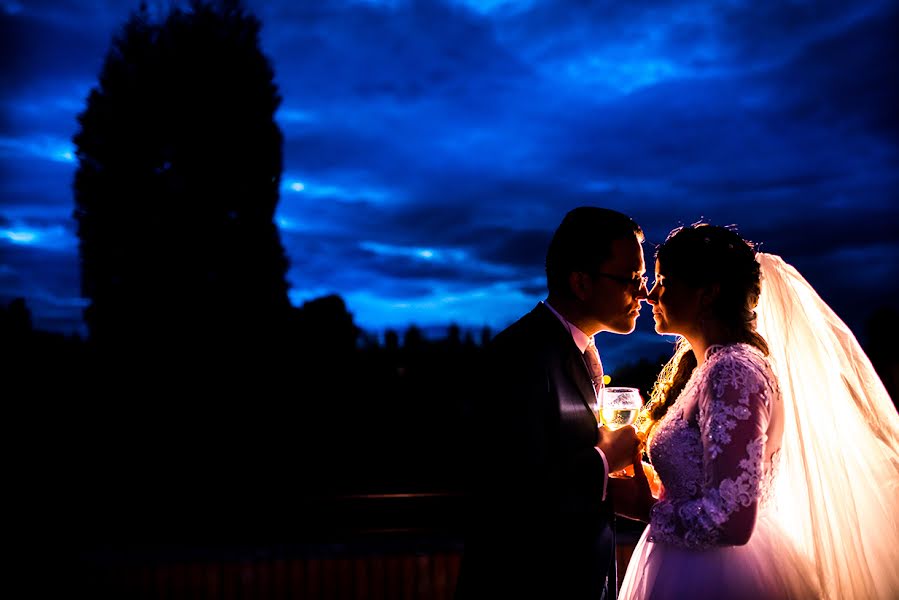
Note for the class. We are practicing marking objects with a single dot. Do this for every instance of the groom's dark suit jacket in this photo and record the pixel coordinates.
(537, 524)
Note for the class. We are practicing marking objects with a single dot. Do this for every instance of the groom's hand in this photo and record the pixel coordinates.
(621, 446)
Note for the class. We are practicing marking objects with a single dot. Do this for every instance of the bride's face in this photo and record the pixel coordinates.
(675, 305)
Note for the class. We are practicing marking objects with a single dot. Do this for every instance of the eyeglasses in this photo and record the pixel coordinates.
(636, 283)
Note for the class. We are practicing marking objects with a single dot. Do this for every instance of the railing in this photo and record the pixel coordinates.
(425, 569)
(372, 546)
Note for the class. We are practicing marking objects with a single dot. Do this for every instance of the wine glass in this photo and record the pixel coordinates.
(618, 406)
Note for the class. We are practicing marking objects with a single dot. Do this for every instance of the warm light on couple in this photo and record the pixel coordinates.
(775, 443)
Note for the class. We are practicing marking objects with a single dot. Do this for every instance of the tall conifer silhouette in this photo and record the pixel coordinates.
(180, 163)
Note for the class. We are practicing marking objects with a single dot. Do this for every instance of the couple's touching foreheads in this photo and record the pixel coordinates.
(775, 479)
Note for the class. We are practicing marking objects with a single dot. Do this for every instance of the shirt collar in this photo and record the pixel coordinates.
(580, 338)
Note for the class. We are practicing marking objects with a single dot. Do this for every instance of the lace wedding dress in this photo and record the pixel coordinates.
(716, 452)
(805, 442)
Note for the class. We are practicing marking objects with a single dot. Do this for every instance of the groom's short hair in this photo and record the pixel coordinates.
(583, 241)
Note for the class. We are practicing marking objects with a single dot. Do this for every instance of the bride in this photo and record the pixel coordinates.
(776, 443)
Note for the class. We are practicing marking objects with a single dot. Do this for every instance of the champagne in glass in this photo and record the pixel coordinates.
(618, 406)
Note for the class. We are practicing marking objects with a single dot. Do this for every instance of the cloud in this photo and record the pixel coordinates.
(56, 237)
(48, 148)
(55, 42)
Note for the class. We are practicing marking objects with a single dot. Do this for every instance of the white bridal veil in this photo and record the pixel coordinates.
(837, 492)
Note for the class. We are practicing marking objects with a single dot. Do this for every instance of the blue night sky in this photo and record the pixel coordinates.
(431, 147)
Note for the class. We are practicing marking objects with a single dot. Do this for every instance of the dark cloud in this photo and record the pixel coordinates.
(48, 45)
(848, 80)
(397, 55)
(525, 249)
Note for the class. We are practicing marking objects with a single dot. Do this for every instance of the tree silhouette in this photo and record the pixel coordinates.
(180, 162)
(327, 333)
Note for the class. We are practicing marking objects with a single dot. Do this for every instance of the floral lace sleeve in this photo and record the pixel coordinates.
(734, 408)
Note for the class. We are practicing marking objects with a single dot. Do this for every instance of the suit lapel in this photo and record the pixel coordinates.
(572, 361)
(577, 370)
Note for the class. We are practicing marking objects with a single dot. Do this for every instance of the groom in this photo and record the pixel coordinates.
(539, 523)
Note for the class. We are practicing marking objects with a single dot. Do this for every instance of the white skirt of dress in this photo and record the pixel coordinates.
(766, 568)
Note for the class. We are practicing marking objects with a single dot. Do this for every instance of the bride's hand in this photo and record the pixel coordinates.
(632, 497)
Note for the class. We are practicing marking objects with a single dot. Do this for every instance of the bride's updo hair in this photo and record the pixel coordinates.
(701, 255)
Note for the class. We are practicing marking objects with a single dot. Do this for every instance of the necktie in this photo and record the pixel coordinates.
(594, 366)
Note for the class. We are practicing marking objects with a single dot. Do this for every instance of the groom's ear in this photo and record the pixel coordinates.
(579, 283)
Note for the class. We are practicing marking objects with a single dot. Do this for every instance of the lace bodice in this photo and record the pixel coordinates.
(716, 449)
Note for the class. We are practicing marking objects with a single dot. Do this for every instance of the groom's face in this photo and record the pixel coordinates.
(616, 290)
